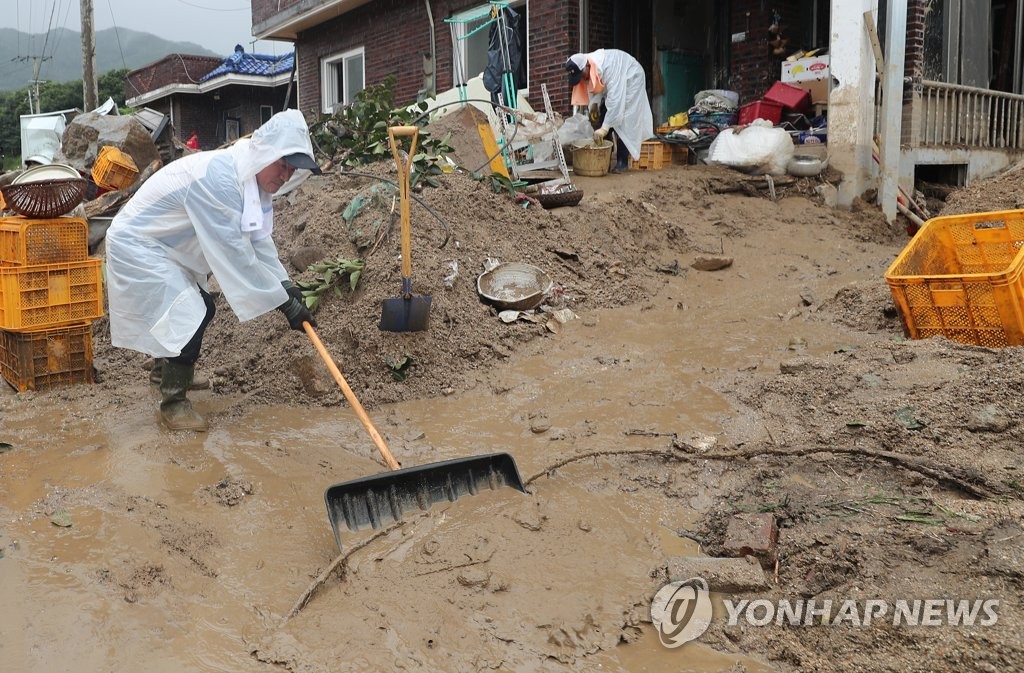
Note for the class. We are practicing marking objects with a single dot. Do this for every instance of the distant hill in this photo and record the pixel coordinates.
(122, 48)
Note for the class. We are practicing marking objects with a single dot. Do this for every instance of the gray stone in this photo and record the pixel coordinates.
(89, 132)
(711, 263)
(302, 258)
(724, 575)
(990, 418)
(798, 365)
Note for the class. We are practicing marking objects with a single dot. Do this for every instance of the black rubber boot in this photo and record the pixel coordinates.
(175, 410)
(199, 382)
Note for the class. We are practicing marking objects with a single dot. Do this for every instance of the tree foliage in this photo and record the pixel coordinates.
(52, 96)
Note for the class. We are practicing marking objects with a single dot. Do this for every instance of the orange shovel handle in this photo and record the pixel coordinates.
(353, 401)
(404, 171)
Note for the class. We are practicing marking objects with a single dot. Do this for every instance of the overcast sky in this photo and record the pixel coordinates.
(217, 25)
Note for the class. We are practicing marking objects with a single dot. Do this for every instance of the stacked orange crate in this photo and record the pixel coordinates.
(50, 292)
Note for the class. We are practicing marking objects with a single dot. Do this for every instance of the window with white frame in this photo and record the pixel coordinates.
(472, 29)
(342, 76)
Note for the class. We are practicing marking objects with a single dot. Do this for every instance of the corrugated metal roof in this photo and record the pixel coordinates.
(260, 65)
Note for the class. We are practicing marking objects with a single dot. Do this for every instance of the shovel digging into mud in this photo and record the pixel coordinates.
(376, 501)
(406, 313)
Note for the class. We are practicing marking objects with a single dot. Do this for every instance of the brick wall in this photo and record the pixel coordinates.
(173, 69)
(913, 66)
(395, 37)
(753, 66)
(264, 9)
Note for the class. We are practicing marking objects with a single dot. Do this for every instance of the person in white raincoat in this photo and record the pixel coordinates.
(621, 79)
(208, 212)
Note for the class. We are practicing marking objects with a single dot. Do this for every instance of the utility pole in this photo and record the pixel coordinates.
(36, 82)
(90, 93)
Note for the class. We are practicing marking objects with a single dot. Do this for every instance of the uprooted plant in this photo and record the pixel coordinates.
(357, 134)
(329, 275)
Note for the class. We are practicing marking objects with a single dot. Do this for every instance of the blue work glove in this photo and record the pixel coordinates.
(296, 313)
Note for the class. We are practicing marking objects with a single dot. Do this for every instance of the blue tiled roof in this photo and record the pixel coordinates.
(261, 65)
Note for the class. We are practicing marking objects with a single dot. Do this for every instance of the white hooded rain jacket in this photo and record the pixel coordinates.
(198, 215)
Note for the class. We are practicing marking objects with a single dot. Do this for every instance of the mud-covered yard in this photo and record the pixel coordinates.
(780, 384)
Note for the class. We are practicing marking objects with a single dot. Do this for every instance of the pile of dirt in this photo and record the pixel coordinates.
(1005, 191)
(614, 249)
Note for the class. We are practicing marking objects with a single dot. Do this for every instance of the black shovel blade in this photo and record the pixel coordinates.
(402, 314)
(374, 502)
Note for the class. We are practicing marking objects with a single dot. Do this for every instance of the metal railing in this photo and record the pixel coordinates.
(965, 116)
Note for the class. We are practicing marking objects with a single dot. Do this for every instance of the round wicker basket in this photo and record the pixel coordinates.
(44, 198)
(591, 160)
(571, 197)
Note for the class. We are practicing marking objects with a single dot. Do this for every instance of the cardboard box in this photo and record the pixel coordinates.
(804, 69)
(818, 89)
(810, 74)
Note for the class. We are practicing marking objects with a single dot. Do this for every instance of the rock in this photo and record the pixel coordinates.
(711, 263)
(799, 365)
(528, 517)
(89, 132)
(828, 194)
(302, 258)
(306, 369)
(990, 418)
(724, 575)
(473, 577)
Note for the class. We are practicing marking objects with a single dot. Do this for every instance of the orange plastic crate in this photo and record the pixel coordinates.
(962, 277)
(654, 155)
(40, 359)
(26, 241)
(50, 295)
(114, 169)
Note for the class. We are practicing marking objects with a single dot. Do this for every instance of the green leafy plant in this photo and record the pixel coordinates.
(500, 183)
(357, 134)
(329, 274)
(400, 367)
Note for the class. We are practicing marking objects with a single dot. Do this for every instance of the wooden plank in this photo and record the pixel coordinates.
(876, 44)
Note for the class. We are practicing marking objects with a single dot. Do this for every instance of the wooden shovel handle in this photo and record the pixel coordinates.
(404, 170)
(353, 401)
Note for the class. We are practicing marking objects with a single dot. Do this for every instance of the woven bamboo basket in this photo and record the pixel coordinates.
(570, 197)
(44, 198)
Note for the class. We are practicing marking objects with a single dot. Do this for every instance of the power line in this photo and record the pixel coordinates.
(117, 34)
(217, 9)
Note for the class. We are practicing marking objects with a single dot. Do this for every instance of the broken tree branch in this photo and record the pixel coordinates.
(340, 560)
(971, 483)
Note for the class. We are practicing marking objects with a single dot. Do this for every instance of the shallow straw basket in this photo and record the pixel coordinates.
(569, 197)
(514, 286)
(591, 160)
(44, 198)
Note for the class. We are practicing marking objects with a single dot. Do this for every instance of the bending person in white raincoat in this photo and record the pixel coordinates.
(621, 79)
(209, 212)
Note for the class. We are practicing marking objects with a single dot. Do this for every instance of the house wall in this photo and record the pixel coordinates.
(396, 45)
(264, 9)
(753, 66)
(173, 69)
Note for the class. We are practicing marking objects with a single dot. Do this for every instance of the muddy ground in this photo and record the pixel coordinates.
(781, 383)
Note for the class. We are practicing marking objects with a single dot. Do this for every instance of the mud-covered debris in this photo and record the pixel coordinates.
(711, 263)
